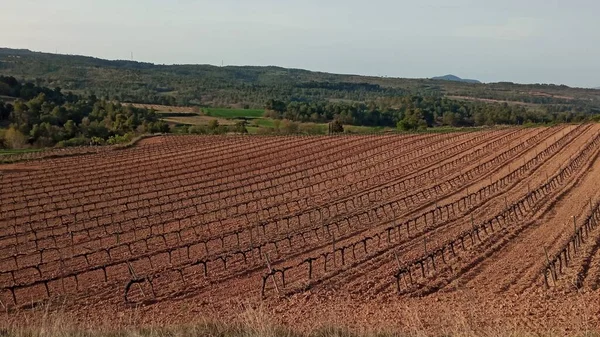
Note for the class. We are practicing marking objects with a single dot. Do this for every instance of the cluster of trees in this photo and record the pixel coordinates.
(42, 117)
(411, 112)
(9, 86)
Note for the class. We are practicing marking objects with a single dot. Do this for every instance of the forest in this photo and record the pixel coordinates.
(40, 117)
(412, 112)
(251, 86)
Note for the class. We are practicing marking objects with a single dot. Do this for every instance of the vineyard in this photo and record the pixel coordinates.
(508, 214)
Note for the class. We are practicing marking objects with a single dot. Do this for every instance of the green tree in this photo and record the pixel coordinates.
(336, 126)
(14, 139)
(213, 124)
(449, 118)
(288, 127)
(70, 129)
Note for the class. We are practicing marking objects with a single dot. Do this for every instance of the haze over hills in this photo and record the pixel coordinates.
(455, 78)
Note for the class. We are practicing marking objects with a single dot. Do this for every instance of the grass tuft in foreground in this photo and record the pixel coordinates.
(42, 322)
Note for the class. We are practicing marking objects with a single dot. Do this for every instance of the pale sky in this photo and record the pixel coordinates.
(525, 41)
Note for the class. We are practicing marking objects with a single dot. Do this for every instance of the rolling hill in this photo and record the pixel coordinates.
(252, 86)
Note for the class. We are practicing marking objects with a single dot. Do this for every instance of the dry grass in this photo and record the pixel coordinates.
(251, 323)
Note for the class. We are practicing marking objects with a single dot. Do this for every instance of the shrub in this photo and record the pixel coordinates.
(14, 139)
(337, 126)
(80, 141)
(310, 129)
(97, 141)
(198, 130)
(117, 139)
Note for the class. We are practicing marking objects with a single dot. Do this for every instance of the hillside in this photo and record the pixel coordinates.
(207, 85)
(455, 79)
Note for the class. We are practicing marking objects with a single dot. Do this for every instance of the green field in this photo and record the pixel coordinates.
(17, 151)
(263, 122)
(234, 113)
(256, 123)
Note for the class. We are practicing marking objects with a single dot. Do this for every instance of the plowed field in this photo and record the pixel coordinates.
(366, 231)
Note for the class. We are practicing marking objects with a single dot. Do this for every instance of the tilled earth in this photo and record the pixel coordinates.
(485, 229)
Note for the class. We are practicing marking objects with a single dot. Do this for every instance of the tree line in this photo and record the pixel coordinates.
(412, 112)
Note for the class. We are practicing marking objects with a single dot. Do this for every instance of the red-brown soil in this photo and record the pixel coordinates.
(379, 231)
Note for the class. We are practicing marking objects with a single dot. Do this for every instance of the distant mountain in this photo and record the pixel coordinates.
(455, 79)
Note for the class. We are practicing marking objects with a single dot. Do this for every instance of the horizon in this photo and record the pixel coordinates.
(535, 42)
